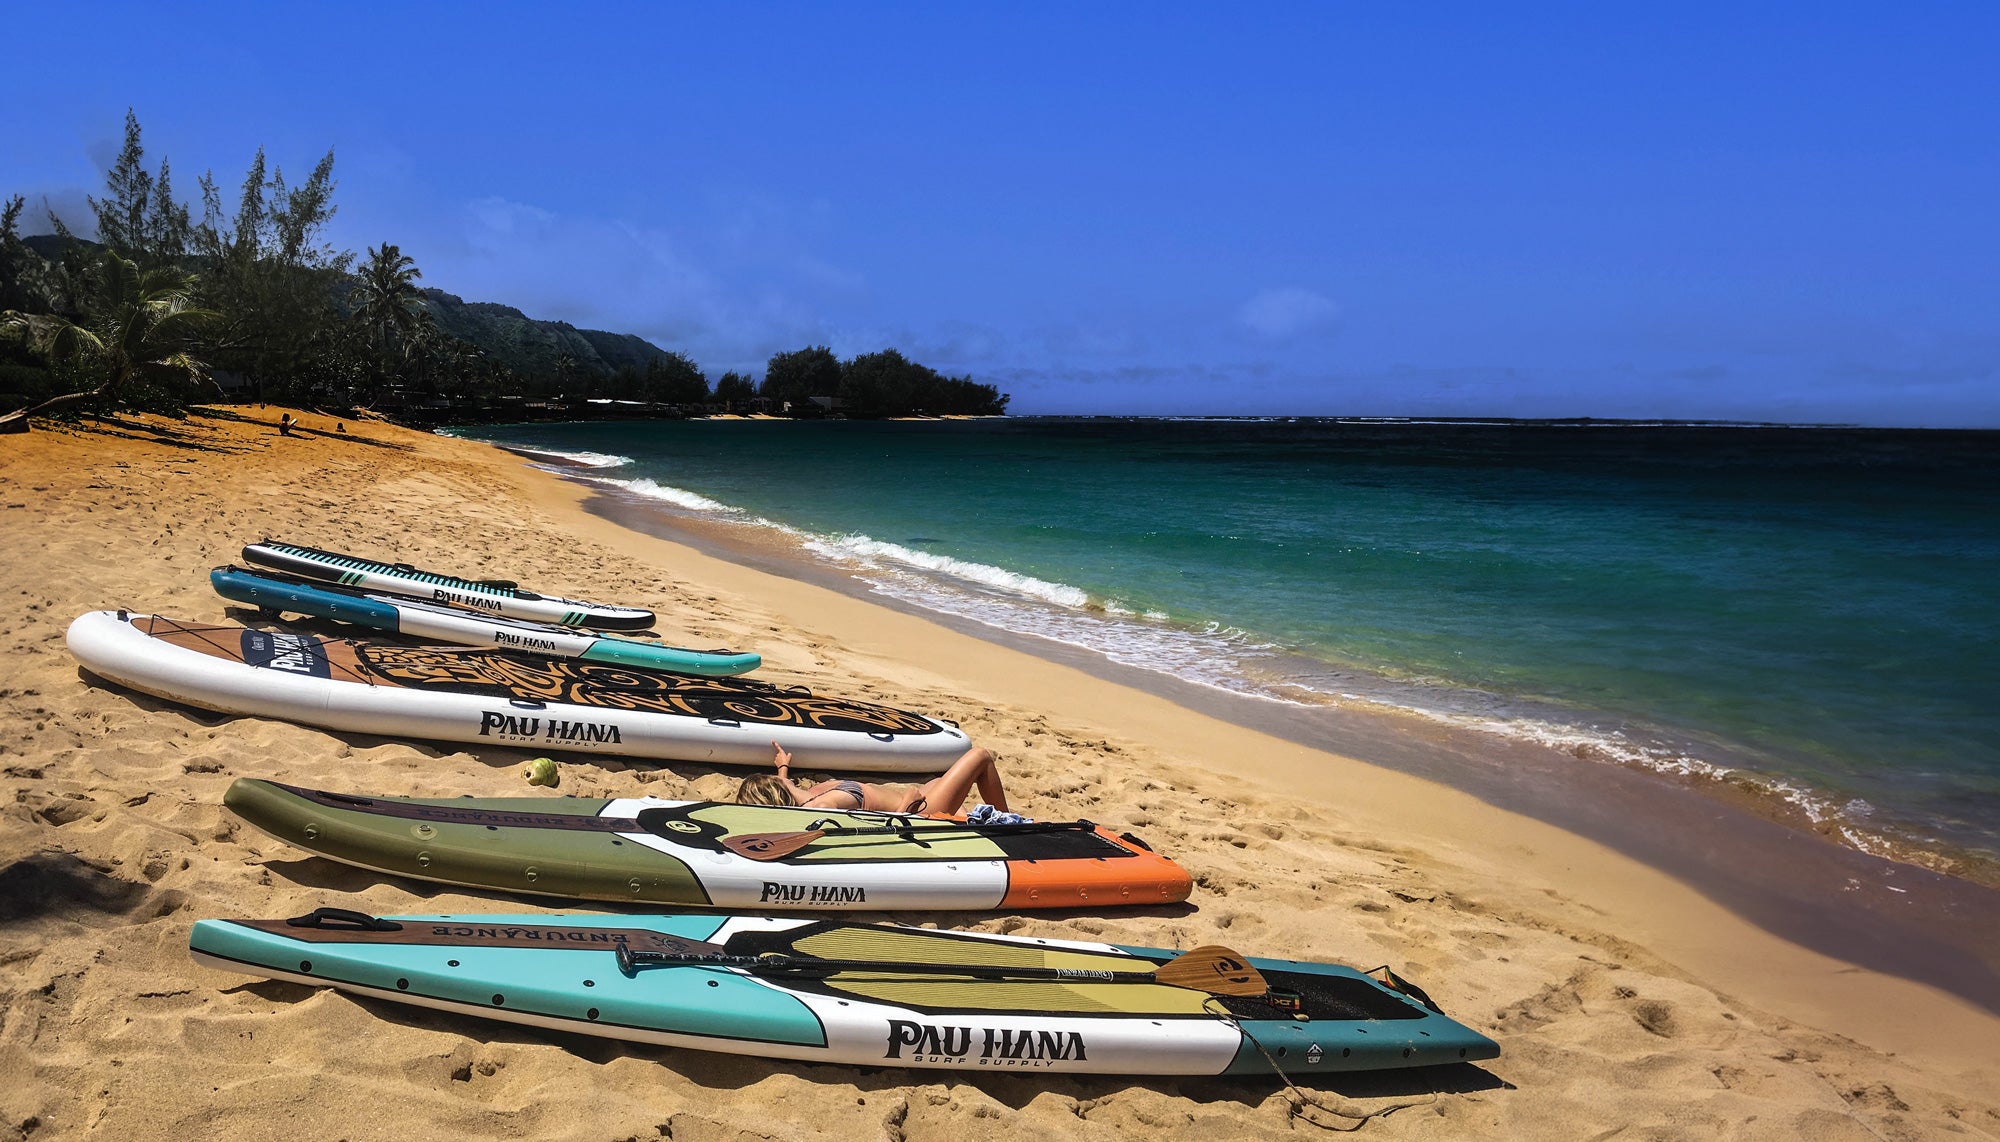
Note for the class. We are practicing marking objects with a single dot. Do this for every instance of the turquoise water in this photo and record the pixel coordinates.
(1815, 607)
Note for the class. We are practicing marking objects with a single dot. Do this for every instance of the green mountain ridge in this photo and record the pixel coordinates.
(532, 346)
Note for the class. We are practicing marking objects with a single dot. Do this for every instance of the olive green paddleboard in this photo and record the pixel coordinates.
(717, 854)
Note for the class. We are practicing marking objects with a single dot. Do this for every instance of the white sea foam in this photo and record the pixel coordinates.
(1213, 656)
(652, 489)
(866, 551)
(1615, 747)
(585, 459)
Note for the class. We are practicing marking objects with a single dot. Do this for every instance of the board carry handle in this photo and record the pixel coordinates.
(1398, 983)
(1210, 968)
(775, 846)
(338, 918)
(502, 584)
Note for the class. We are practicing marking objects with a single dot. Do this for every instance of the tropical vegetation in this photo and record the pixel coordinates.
(131, 347)
(164, 308)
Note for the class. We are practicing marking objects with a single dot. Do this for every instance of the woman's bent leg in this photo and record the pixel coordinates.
(976, 767)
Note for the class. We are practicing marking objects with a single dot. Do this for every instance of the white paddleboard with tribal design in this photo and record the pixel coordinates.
(503, 698)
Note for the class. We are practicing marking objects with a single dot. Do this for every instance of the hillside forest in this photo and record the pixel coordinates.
(175, 301)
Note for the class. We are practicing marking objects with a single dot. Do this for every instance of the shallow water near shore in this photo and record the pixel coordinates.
(1801, 617)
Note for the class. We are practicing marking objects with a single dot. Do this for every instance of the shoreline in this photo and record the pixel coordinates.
(1705, 762)
(1558, 854)
(1622, 998)
(1938, 925)
(1888, 915)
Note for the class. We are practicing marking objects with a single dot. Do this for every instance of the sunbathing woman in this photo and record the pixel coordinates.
(942, 794)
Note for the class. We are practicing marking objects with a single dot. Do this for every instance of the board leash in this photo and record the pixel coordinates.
(1301, 1099)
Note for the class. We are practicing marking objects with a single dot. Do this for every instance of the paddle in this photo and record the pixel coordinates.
(774, 846)
(1210, 968)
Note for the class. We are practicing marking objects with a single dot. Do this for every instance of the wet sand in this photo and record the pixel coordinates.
(1629, 995)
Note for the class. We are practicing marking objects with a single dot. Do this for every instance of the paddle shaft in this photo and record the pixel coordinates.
(1231, 975)
(771, 846)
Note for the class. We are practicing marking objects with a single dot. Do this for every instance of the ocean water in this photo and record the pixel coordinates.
(1809, 611)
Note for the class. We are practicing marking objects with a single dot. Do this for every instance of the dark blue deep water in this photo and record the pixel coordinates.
(1813, 609)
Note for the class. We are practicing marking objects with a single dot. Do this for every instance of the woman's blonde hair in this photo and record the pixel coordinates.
(766, 789)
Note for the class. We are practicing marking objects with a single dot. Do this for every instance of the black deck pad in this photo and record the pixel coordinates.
(1322, 997)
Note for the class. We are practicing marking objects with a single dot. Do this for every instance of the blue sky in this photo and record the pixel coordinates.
(1779, 212)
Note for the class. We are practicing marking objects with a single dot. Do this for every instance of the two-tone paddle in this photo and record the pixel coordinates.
(776, 846)
(1210, 968)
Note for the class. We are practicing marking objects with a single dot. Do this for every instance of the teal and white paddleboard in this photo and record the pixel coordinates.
(487, 596)
(862, 994)
(280, 593)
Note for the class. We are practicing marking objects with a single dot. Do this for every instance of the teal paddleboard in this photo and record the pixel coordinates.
(863, 994)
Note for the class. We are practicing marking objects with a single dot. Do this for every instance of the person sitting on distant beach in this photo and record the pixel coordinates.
(285, 423)
(942, 794)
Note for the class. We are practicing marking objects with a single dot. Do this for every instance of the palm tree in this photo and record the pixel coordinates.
(139, 325)
(389, 305)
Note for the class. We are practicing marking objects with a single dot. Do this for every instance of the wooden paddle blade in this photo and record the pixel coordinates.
(771, 846)
(1214, 969)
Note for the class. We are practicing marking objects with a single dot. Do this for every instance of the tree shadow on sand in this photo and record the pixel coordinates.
(211, 412)
(174, 434)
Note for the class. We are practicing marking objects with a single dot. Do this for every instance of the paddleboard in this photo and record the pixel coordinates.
(279, 594)
(861, 994)
(713, 854)
(487, 596)
(491, 697)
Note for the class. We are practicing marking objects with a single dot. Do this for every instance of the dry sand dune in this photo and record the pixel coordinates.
(113, 842)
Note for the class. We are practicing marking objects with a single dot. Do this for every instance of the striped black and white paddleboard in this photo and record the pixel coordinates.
(275, 593)
(487, 596)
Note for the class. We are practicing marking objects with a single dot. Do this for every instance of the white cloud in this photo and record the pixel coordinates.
(721, 301)
(496, 216)
(1279, 314)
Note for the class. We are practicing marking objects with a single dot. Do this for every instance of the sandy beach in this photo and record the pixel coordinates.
(1631, 997)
